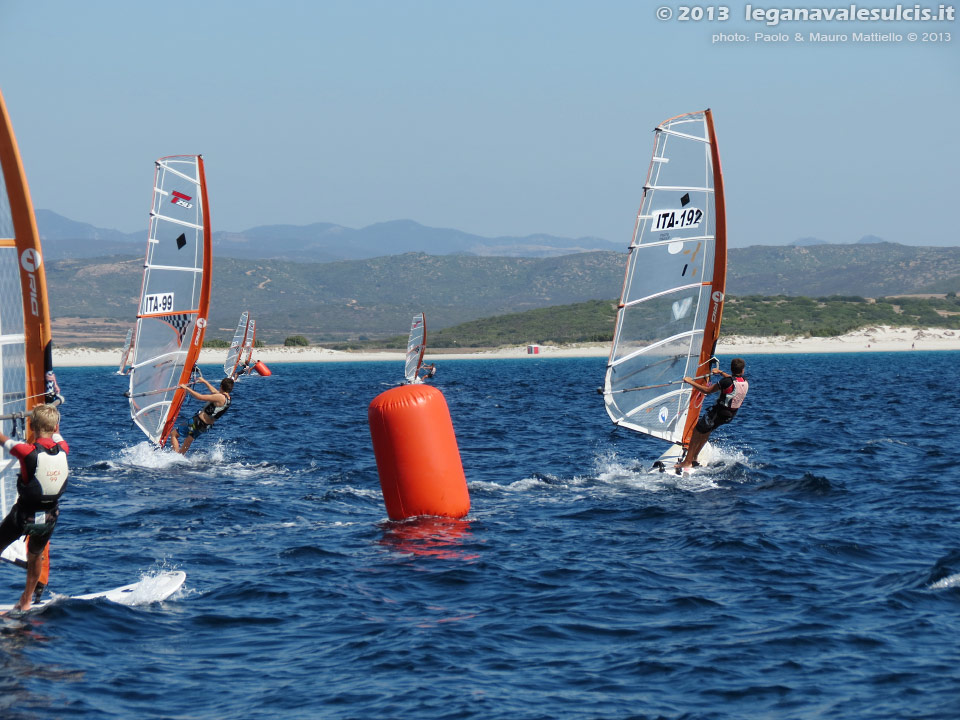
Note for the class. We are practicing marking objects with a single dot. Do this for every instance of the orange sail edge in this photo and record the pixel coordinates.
(711, 331)
(33, 279)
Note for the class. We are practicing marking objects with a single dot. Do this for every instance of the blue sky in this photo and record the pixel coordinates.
(498, 117)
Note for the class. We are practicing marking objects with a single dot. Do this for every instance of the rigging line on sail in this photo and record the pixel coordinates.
(674, 133)
(173, 267)
(678, 188)
(128, 394)
(669, 291)
(175, 221)
(170, 169)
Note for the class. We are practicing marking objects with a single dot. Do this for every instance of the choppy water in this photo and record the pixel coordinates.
(816, 574)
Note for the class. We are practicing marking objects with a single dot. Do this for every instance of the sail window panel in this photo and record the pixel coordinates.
(657, 270)
(175, 246)
(6, 215)
(657, 374)
(170, 291)
(160, 340)
(11, 303)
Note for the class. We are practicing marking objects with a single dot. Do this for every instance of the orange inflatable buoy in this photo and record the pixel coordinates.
(262, 369)
(417, 456)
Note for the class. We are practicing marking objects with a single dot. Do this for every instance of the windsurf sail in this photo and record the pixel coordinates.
(668, 318)
(125, 352)
(25, 339)
(174, 297)
(416, 345)
(237, 345)
(249, 342)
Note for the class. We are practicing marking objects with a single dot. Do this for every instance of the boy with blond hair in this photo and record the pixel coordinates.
(42, 480)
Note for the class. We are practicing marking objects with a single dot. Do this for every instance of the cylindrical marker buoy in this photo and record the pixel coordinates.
(262, 369)
(417, 456)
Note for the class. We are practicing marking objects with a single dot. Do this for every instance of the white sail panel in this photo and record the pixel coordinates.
(174, 297)
(13, 395)
(125, 352)
(416, 344)
(236, 345)
(670, 293)
(249, 341)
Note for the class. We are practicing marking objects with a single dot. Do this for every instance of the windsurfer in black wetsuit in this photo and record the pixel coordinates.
(733, 389)
(217, 402)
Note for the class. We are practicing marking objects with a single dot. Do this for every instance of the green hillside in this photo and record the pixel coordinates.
(753, 315)
(374, 299)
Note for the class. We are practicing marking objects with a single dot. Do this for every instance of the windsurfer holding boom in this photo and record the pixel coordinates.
(218, 401)
(733, 389)
(42, 480)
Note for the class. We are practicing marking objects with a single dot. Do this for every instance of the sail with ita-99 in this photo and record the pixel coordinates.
(174, 297)
(25, 341)
(668, 318)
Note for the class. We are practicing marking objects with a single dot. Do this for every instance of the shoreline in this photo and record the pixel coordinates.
(875, 339)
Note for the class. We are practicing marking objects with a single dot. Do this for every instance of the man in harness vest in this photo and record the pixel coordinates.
(42, 480)
(733, 389)
(217, 403)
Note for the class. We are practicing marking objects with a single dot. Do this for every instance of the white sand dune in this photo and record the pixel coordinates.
(876, 339)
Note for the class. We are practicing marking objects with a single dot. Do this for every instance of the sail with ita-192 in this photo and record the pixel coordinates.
(668, 317)
(174, 297)
(25, 337)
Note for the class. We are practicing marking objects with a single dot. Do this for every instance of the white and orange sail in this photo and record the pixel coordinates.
(668, 318)
(237, 345)
(416, 346)
(125, 353)
(25, 336)
(174, 297)
(249, 342)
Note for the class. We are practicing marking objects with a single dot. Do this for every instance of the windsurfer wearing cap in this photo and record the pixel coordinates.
(733, 389)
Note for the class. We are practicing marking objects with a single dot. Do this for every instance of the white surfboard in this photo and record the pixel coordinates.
(155, 588)
(667, 461)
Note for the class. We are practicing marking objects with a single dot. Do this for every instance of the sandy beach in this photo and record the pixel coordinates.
(877, 339)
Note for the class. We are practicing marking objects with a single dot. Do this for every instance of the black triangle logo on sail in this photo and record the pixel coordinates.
(181, 241)
(179, 322)
(684, 201)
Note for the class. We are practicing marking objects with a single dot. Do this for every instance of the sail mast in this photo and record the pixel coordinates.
(711, 330)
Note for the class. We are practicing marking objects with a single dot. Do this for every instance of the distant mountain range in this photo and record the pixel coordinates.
(327, 242)
(319, 242)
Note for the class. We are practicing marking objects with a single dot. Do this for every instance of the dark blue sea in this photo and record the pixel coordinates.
(814, 573)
